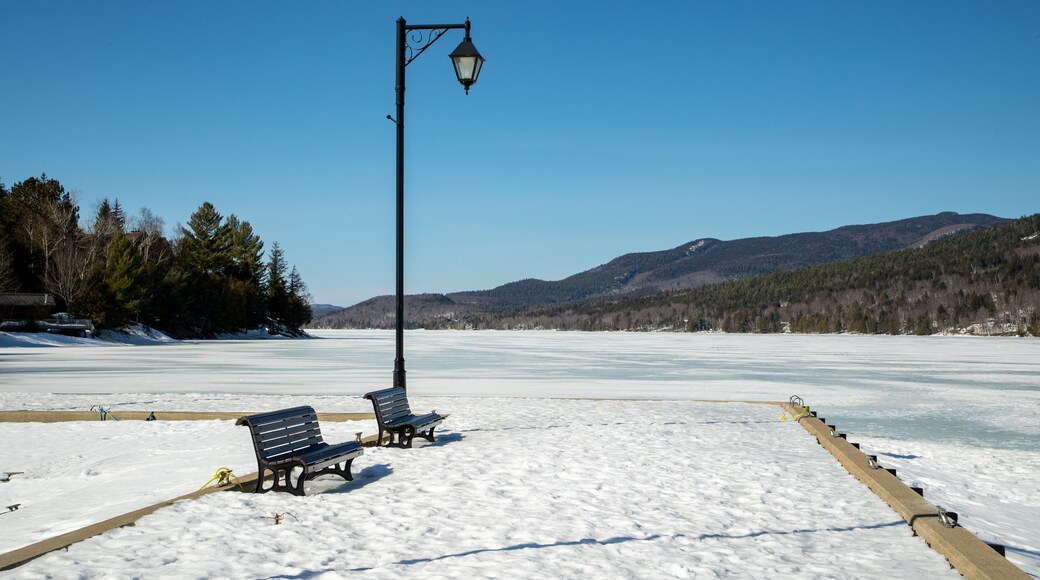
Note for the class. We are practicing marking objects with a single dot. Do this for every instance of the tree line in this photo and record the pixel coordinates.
(210, 277)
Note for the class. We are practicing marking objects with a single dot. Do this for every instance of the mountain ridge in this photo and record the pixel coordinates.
(696, 263)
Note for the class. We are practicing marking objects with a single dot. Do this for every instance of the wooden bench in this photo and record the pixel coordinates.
(288, 443)
(395, 418)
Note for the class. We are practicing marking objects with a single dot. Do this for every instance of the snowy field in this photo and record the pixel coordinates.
(522, 484)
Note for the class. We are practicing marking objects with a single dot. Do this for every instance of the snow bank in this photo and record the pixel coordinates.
(132, 334)
(42, 339)
(135, 334)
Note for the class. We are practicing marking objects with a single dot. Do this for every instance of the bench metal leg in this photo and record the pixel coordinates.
(282, 478)
(260, 480)
(428, 434)
(401, 438)
(340, 469)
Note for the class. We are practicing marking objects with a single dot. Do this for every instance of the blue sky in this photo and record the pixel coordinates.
(595, 129)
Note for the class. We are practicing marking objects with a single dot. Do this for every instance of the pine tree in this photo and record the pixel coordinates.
(245, 271)
(299, 302)
(203, 254)
(205, 244)
(245, 251)
(125, 279)
(277, 285)
(7, 277)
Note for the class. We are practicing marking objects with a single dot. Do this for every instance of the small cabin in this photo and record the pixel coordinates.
(24, 308)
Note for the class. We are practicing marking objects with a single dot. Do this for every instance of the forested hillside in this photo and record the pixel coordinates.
(982, 282)
(210, 278)
(708, 261)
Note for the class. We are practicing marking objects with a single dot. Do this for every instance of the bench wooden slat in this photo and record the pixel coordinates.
(302, 441)
(273, 416)
(394, 416)
(290, 448)
(393, 406)
(264, 431)
(300, 430)
(390, 404)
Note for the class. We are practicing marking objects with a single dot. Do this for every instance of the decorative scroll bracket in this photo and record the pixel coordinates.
(419, 39)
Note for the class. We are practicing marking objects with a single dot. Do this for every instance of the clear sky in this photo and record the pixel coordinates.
(595, 129)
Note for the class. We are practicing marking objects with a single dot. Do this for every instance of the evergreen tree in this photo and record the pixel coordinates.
(277, 285)
(245, 251)
(203, 254)
(204, 246)
(245, 270)
(119, 216)
(299, 302)
(108, 219)
(126, 281)
(7, 277)
(216, 281)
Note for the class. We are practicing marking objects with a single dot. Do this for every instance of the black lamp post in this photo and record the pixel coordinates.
(467, 63)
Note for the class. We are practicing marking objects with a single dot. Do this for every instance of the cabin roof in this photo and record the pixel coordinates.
(23, 299)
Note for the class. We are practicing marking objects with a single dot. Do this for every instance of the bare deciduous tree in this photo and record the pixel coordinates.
(68, 275)
(51, 229)
(151, 243)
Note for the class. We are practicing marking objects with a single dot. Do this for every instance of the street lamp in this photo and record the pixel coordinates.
(467, 62)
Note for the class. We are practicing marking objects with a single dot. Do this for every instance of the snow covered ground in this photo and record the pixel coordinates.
(522, 484)
(523, 488)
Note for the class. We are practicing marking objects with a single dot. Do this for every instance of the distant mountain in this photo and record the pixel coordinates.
(378, 312)
(319, 310)
(986, 282)
(708, 260)
(691, 265)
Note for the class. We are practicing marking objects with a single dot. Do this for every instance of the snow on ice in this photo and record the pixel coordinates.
(521, 484)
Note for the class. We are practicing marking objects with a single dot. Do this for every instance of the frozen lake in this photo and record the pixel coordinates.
(976, 391)
(958, 415)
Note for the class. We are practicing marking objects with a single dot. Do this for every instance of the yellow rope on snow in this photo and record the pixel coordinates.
(223, 476)
(805, 412)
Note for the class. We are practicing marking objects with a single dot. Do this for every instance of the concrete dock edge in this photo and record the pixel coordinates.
(25, 554)
(16, 558)
(59, 416)
(969, 555)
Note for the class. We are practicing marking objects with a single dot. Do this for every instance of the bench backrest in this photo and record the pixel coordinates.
(390, 404)
(282, 433)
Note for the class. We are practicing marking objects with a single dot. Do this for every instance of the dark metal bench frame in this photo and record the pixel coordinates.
(290, 439)
(395, 418)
